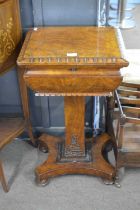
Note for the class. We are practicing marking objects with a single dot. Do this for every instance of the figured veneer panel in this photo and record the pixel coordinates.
(92, 45)
(72, 82)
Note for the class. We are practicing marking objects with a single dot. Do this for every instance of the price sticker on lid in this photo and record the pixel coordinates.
(72, 54)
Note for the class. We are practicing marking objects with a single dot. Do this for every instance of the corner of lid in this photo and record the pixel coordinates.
(125, 62)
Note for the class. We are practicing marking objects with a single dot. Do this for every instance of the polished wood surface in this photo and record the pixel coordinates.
(55, 166)
(10, 33)
(95, 63)
(71, 62)
(74, 115)
(92, 45)
(83, 82)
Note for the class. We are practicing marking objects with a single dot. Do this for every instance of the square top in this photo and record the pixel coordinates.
(72, 46)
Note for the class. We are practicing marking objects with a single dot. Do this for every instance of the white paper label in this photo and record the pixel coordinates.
(72, 54)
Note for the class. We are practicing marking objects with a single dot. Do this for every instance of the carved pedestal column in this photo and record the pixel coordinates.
(74, 121)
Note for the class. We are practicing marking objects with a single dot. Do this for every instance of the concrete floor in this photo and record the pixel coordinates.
(68, 192)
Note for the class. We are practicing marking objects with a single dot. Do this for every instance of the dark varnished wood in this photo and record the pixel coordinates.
(10, 33)
(73, 62)
(2, 178)
(25, 104)
(10, 39)
(128, 129)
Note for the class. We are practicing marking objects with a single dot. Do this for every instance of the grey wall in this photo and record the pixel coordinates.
(64, 12)
(46, 111)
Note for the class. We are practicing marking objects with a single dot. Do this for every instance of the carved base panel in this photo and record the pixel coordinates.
(92, 164)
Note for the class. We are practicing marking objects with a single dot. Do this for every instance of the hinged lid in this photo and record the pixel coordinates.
(72, 46)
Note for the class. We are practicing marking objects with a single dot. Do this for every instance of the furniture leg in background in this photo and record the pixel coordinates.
(128, 126)
(2, 178)
(10, 128)
(25, 104)
(10, 41)
(129, 6)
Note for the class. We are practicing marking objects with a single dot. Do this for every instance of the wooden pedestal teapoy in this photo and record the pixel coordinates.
(73, 62)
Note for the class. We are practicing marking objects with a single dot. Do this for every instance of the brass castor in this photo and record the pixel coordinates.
(43, 182)
(42, 147)
(117, 181)
(117, 184)
(118, 177)
(108, 182)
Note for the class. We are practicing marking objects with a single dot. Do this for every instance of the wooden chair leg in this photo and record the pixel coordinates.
(2, 179)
